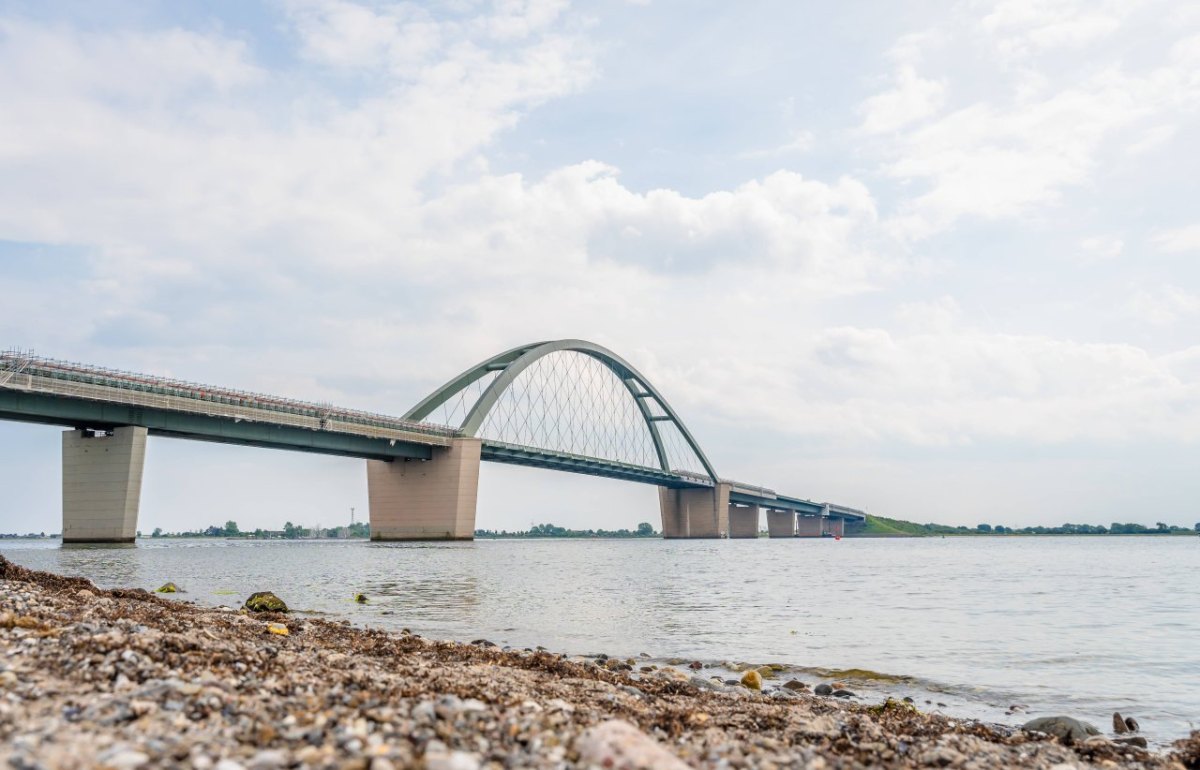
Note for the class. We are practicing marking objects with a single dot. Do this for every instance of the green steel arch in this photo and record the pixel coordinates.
(511, 363)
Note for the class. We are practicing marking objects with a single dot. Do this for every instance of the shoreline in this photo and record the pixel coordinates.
(128, 679)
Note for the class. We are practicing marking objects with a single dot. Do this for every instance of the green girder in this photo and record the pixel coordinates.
(511, 363)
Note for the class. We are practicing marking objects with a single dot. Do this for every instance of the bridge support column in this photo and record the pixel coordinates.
(426, 499)
(781, 523)
(835, 526)
(743, 520)
(102, 485)
(810, 526)
(695, 513)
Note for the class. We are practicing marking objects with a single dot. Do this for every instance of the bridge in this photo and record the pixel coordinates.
(565, 405)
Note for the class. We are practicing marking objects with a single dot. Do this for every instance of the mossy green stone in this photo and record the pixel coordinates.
(167, 588)
(265, 601)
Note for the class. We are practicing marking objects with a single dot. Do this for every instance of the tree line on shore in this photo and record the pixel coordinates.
(290, 531)
(644, 529)
(1116, 528)
(879, 525)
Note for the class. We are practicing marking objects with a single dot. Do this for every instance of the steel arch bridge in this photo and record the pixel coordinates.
(570, 405)
(567, 405)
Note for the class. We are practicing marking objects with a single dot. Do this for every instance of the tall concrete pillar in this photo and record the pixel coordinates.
(810, 526)
(743, 520)
(781, 523)
(695, 513)
(102, 485)
(674, 521)
(836, 526)
(426, 499)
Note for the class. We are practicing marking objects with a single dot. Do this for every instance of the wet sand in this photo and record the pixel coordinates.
(125, 679)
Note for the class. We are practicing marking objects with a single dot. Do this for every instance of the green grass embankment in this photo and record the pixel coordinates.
(879, 526)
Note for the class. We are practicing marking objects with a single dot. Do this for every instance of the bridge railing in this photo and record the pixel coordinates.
(25, 372)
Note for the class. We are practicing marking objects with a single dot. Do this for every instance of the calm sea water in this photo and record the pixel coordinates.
(1082, 626)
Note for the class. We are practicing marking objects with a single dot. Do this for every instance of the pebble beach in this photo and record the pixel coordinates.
(125, 679)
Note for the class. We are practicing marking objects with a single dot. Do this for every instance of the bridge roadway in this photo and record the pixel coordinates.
(100, 403)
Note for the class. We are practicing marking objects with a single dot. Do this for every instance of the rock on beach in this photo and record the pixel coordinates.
(265, 601)
(1067, 729)
(618, 745)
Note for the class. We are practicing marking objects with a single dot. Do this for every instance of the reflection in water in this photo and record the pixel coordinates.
(976, 623)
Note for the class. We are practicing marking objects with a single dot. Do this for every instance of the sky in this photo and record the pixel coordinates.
(935, 260)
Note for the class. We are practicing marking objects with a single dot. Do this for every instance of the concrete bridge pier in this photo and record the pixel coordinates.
(743, 520)
(695, 513)
(781, 523)
(102, 484)
(426, 499)
(810, 526)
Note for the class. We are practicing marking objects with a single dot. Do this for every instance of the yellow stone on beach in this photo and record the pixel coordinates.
(167, 588)
(752, 679)
(277, 628)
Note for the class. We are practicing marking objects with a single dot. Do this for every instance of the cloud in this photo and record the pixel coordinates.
(1016, 147)
(800, 142)
(317, 217)
(955, 385)
(1022, 27)
(1162, 306)
(911, 99)
(1101, 247)
(1179, 240)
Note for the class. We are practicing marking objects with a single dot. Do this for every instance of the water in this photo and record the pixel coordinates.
(1082, 626)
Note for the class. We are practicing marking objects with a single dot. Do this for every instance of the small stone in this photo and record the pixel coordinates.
(440, 759)
(360, 598)
(843, 694)
(1119, 723)
(823, 689)
(695, 665)
(823, 726)
(943, 756)
(700, 683)
(1133, 740)
(125, 760)
(167, 588)
(795, 685)
(83, 593)
(265, 601)
(1067, 729)
(269, 760)
(309, 755)
(1132, 724)
(278, 629)
(618, 744)
(752, 679)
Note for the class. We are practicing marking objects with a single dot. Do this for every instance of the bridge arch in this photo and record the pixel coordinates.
(508, 366)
